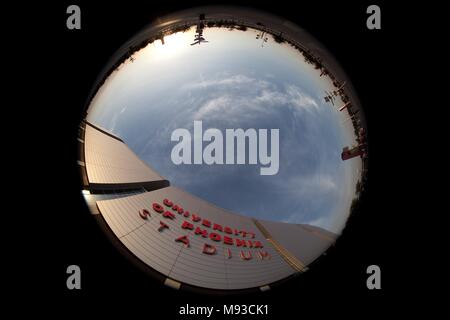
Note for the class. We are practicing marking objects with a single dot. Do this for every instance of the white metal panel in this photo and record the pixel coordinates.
(109, 160)
(190, 265)
(305, 242)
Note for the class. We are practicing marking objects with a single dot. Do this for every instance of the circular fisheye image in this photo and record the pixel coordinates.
(223, 149)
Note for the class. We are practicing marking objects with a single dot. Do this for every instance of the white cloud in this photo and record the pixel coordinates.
(258, 96)
(215, 105)
(114, 122)
(123, 109)
(316, 185)
(299, 99)
(229, 81)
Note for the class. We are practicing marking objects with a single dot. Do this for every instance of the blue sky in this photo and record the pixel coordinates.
(232, 82)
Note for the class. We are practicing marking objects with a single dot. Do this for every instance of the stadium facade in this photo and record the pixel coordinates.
(183, 240)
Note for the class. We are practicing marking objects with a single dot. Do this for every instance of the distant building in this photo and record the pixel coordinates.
(348, 153)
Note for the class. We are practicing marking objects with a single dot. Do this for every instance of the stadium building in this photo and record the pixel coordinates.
(181, 239)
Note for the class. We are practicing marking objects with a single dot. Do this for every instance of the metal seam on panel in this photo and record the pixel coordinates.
(178, 255)
(132, 231)
(293, 261)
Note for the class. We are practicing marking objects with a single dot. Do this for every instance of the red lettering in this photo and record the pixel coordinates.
(157, 207)
(144, 213)
(215, 236)
(258, 244)
(162, 226)
(178, 209)
(245, 256)
(167, 202)
(204, 233)
(240, 243)
(263, 255)
(187, 225)
(227, 240)
(209, 249)
(228, 230)
(206, 223)
(168, 215)
(183, 239)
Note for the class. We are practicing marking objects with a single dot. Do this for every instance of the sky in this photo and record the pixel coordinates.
(234, 82)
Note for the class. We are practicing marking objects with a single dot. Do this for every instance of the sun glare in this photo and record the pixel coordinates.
(173, 45)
